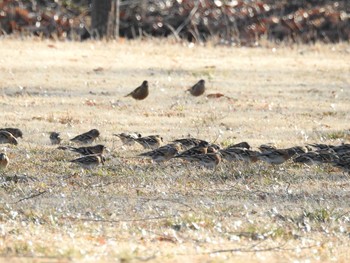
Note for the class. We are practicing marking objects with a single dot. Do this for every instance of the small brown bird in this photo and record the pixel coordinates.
(320, 146)
(4, 161)
(17, 133)
(188, 154)
(150, 142)
(55, 138)
(164, 153)
(128, 139)
(277, 156)
(244, 145)
(344, 156)
(342, 164)
(267, 148)
(90, 161)
(88, 150)
(6, 137)
(197, 89)
(317, 158)
(87, 137)
(341, 149)
(188, 143)
(239, 154)
(232, 154)
(209, 160)
(140, 92)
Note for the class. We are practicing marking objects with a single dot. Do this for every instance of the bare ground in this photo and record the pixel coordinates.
(131, 210)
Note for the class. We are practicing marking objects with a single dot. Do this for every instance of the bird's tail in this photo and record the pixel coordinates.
(65, 148)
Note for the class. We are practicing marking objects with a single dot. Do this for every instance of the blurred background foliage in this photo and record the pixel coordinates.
(230, 22)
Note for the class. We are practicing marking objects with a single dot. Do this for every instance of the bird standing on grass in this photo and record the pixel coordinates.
(4, 161)
(128, 139)
(195, 150)
(319, 157)
(17, 133)
(150, 142)
(164, 153)
(239, 154)
(279, 156)
(88, 150)
(198, 89)
(140, 92)
(209, 160)
(6, 137)
(87, 137)
(188, 143)
(343, 164)
(243, 145)
(90, 161)
(55, 138)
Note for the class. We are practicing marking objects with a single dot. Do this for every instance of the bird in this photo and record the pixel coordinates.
(90, 161)
(317, 158)
(296, 150)
(88, 150)
(343, 164)
(17, 133)
(87, 137)
(150, 142)
(6, 137)
(272, 155)
(163, 153)
(55, 138)
(239, 154)
(140, 92)
(277, 156)
(266, 148)
(188, 143)
(340, 149)
(232, 154)
(197, 89)
(244, 145)
(128, 139)
(209, 160)
(249, 156)
(319, 146)
(4, 161)
(344, 155)
(195, 150)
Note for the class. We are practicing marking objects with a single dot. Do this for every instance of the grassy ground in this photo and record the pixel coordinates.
(131, 210)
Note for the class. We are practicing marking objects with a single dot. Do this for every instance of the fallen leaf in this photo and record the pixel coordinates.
(215, 95)
(167, 239)
(99, 69)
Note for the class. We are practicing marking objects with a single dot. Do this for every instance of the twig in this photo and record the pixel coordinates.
(249, 250)
(341, 215)
(172, 29)
(189, 18)
(116, 221)
(30, 197)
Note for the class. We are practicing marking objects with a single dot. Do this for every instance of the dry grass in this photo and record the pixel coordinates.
(131, 210)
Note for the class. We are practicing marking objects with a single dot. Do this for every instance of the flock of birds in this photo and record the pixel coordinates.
(92, 154)
(191, 150)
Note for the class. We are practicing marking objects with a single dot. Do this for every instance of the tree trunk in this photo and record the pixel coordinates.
(100, 11)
